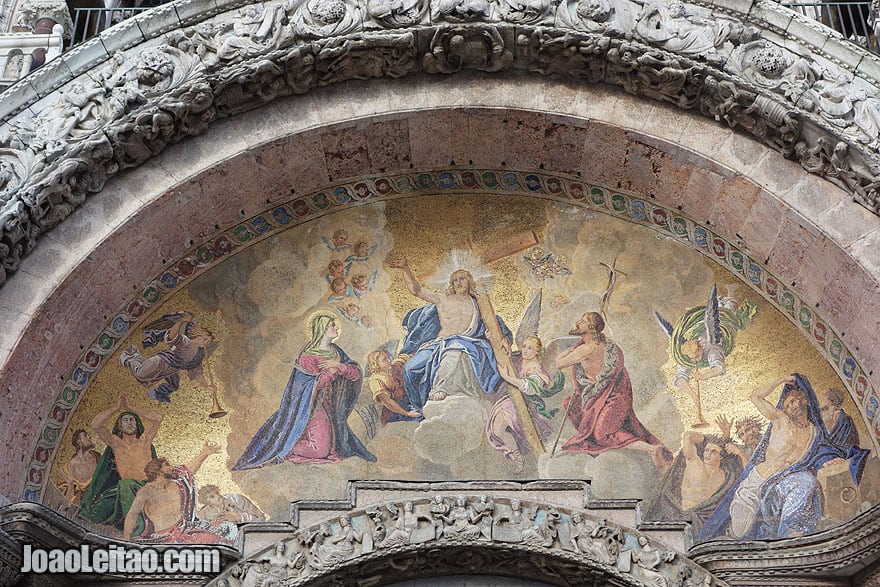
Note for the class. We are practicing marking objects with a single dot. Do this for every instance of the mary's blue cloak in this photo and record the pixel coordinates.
(275, 439)
(422, 327)
(774, 520)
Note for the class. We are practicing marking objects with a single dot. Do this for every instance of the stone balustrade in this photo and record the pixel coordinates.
(32, 47)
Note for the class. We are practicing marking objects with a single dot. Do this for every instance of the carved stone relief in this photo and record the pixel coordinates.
(441, 523)
(140, 101)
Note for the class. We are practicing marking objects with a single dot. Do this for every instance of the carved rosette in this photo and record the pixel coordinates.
(319, 19)
(443, 535)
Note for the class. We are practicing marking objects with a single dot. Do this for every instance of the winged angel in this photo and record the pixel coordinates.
(702, 338)
(188, 344)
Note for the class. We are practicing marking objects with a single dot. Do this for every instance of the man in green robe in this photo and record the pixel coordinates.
(120, 471)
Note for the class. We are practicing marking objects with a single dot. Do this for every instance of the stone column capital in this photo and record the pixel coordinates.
(33, 11)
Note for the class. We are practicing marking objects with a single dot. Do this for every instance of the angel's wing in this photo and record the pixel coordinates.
(712, 319)
(368, 414)
(154, 332)
(664, 323)
(528, 326)
(165, 322)
(554, 348)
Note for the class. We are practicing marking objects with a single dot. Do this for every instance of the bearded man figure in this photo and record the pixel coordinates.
(601, 408)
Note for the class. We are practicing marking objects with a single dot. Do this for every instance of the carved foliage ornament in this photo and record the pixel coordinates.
(130, 108)
(495, 535)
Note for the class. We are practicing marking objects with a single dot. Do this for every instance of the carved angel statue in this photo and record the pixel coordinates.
(702, 338)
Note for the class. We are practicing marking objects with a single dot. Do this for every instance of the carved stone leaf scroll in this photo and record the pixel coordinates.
(128, 109)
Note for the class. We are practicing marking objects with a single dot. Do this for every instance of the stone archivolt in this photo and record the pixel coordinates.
(127, 109)
(448, 534)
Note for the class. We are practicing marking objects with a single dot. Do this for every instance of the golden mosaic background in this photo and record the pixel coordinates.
(257, 304)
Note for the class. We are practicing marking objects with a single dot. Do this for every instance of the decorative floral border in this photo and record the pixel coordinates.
(617, 203)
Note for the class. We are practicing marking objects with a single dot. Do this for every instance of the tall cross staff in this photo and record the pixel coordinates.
(603, 306)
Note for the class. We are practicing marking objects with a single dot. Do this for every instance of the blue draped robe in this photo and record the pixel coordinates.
(275, 439)
(791, 499)
(422, 329)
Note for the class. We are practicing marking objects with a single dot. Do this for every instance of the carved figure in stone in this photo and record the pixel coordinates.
(541, 533)
(406, 523)
(866, 111)
(460, 10)
(851, 173)
(616, 18)
(118, 71)
(13, 172)
(74, 114)
(26, 17)
(510, 522)
(773, 68)
(460, 48)
(155, 69)
(250, 33)
(556, 52)
(526, 11)
(666, 78)
(261, 574)
(648, 561)
(397, 13)
(335, 548)
(672, 28)
(587, 539)
(318, 19)
(439, 509)
(462, 521)
(485, 507)
(392, 56)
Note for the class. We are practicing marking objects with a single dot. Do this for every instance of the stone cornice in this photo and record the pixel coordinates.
(155, 79)
(841, 551)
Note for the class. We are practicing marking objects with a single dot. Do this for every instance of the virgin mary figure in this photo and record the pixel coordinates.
(311, 426)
